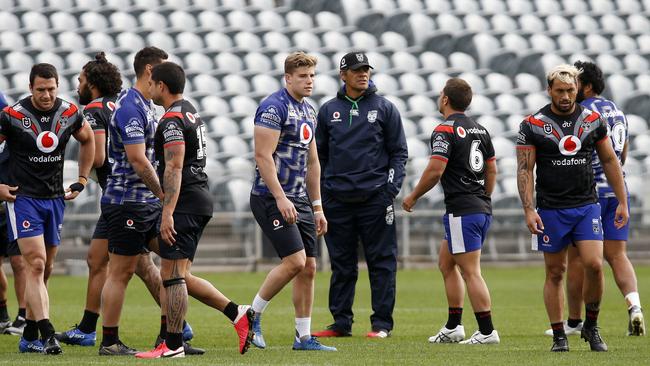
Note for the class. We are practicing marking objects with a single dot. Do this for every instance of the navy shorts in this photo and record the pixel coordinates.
(7, 248)
(189, 229)
(286, 239)
(608, 213)
(28, 217)
(131, 226)
(564, 226)
(466, 233)
(101, 228)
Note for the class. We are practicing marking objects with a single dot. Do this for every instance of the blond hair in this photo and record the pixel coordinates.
(297, 60)
(564, 73)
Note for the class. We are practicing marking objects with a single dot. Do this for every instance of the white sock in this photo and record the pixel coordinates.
(259, 304)
(303, 328)
(633, 299)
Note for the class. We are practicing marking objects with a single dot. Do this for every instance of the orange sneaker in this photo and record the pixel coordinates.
(244, 327)
(162, 351)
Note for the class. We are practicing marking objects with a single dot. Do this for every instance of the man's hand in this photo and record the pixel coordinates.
(5, 193)
(73, 191)
(622, 215)
(167, 231)
(321, 223)
(534, 222)
(288, 210)
(408, 203)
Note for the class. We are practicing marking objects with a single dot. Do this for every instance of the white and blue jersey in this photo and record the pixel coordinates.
(133, 122)
(296, 122)
(617, 128)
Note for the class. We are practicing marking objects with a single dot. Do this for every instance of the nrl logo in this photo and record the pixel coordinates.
(548, 129)
(27, 123)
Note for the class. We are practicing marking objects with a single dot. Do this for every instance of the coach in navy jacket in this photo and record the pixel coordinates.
(362, 151)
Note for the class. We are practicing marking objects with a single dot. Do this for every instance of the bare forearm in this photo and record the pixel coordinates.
(146, 172)
(525, 185)
(490, 183)
(266, 166)
(171, 186)
(614, 175)
(313, 181)
(428, 180)
(86, 157)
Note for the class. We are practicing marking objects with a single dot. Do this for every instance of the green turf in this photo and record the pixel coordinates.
(518, 313)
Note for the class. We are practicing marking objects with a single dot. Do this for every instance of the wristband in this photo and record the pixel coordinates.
(85, 178)
(319, 212)
(316, 203)
(76, 187)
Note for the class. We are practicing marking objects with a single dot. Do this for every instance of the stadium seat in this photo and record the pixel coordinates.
(238, 167)
(520, 6)
(497, 83)
(426, 125)
(417, 148)
(264, 84)
(235, 84)
(514, 42)
(205, 84)
(503, 147)
(223, 126)
(584, 23)
(73, 41)
(531, 23)
(34, 21)
(438, 5)
(493, 6)
(209, 20)
(217, 41)
(56, 61)
(486, 46)
(624, 43)
(474, 81)
(449, 22)
(569, 43)
(476, 23)
(152, 20)
(329, 21)
(421, 105)
(305, 40)
(241, 20)
(394, 41)
(635, 63)
(575, 6)
(233, 146)
(410, 128)
(399, 103)
(404, 62)
(297, 20)
(384, 82)
(270, 20)
(20, 81)
(612, 23)
(182, 21)
(432, 61)
(335, 40)
(595, 42)
(503, 23)
(546, 7)
(123, 22)
(276, 41)
(247, 41)
(638, 23)
(161, 40)
(387, 6)
(214, 105)
(328, 85)
(146, 4)
(63, 21)
(513, 121)
(363, 41)
(508, 103)
(18, 61)
(8, 22)
(507, 166)
(189, 41)
(620, 87)
(643, 43)
(122, 5)
(639, 104)
(642, 82)
(481, 105)
(11, 40)
(551, 60)
(437, 81)
(422, 26)
(196, 63)
(535, 101)
(557, 24)
(130, 41)
(466, 6)
(91, 21)
(492, 124)
(602, 6)
(462, 62)
(40, 40)
(257, 63)
(60, 5)
(609, 63)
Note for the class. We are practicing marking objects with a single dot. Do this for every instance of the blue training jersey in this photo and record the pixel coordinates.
(133, 122)
(296, 122)
(617, 128)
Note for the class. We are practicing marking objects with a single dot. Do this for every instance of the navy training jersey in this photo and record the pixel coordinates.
(465, 146)
(617, 127)
(98, 114)
(564, 147)
(133, 122)
(296, 122)
(182, 125)
(36, 141)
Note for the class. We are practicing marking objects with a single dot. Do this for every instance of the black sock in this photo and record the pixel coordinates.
(30, 333)
(455, 316)
(88, 322)
(484, 319)
(22, 312)
(163, 327)
(46, 328)
(591, 315)
(110, 336)
(231, 311)
(573, 322)
(4, 315)
(174, 340)
(558, 330)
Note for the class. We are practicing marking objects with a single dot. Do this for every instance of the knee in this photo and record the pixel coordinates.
(295, 264)
(309, 270)
(17, 264)
(555, 273)
(593, 266)
(446, 267)
(37, 266)
(96, 263)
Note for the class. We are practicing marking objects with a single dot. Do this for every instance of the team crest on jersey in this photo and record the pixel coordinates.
(548, 129)
(570, 145)
(111, 106)
(306, 133)
(47, 141)
(390, 215)
(63, 121)
(27, 122)
(372, 116)
(461, 132)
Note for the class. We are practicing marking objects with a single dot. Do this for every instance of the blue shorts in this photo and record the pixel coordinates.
(28, 217)
(564, 226)
(608, 212)
(466, 233)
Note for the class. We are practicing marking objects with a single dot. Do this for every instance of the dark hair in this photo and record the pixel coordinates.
(45, 71)
(591, 74)
(148, 56)
(171, 74)
(459, 93)
(103, 75)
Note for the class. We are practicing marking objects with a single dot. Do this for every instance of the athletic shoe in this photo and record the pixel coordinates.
(449, 335)
(592, 335)
(636, 325)
(567, 330)
(52, 346)
(4, 325)
(25, 346)
(17, 327)
(480, 338)
(117, 349)
(76, 337)
(560, 344)
(311, 344)
(258, 338)
(191, 350)
(381, 333)
(188, 333)
(162, 351)
(332, 331)
(244, 327)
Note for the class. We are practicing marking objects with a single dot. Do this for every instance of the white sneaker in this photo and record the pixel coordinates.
(479, 338)
(567, 330)
(636, 325)
(449, 335)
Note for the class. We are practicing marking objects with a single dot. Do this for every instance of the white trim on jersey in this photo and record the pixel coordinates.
(533, 242)
(456, 231)
(11, 215)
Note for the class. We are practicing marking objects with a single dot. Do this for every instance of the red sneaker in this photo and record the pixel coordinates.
(155, 353)
(244, 327)
(378, 334)
(331, 331)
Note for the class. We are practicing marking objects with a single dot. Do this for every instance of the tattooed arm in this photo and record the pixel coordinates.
(174, 156)
(525, 164)
(137, 157)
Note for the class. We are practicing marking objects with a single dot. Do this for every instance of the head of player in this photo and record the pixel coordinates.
(44, 86)
(354, 70)
(455, 97)
(167, 84)
(299, 72)
(143, 64)
(98, 78)
(591, 82)
(562, 87)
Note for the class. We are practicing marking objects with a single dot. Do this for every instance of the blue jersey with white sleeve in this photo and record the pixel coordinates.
(296, 122)
(133, 122)
(617, 128)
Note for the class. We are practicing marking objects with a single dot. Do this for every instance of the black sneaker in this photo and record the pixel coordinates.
(117, 349)
(560, 344)
(192, 351)
(592, 336)
(52, 346)
(17, 327)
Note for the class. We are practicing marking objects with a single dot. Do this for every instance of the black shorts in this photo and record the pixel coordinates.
(189, 229)
(7, 248)
(131, 226)
(101, 228)
(286, 239)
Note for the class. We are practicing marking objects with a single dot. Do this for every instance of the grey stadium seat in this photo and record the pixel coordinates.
(531, 23)
(276, 41)
(223, 126)
(122, 21)
(40, 40)
(152, 20)
(270, 20)
(63, 21)
(421, 105)
(264, 84)
(182, 21)
(257, 63)
(384, 82)
(492, 124)
(624, 43)
(189, 41)
(235, 84)
(8, 21)
(241, 20)
(92, 21)
(217, 41)
(33, 21)
(432, 61)
(214, 105)
(161, 40)
(71, 41)
(209, 20)
(247, 41)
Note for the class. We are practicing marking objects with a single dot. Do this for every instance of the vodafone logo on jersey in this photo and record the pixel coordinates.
(569, 145)
(461, 132)
(111, 106)
(26, 224)
(47, 142)
(306, 133)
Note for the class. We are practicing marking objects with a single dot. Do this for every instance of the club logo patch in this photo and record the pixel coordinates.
(570, 145)
(390, 215)
(306, 133)
(595, 225)
(359, 57)
(47, 142)
(372, 116)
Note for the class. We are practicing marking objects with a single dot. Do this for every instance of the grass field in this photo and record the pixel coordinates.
(518, 314)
